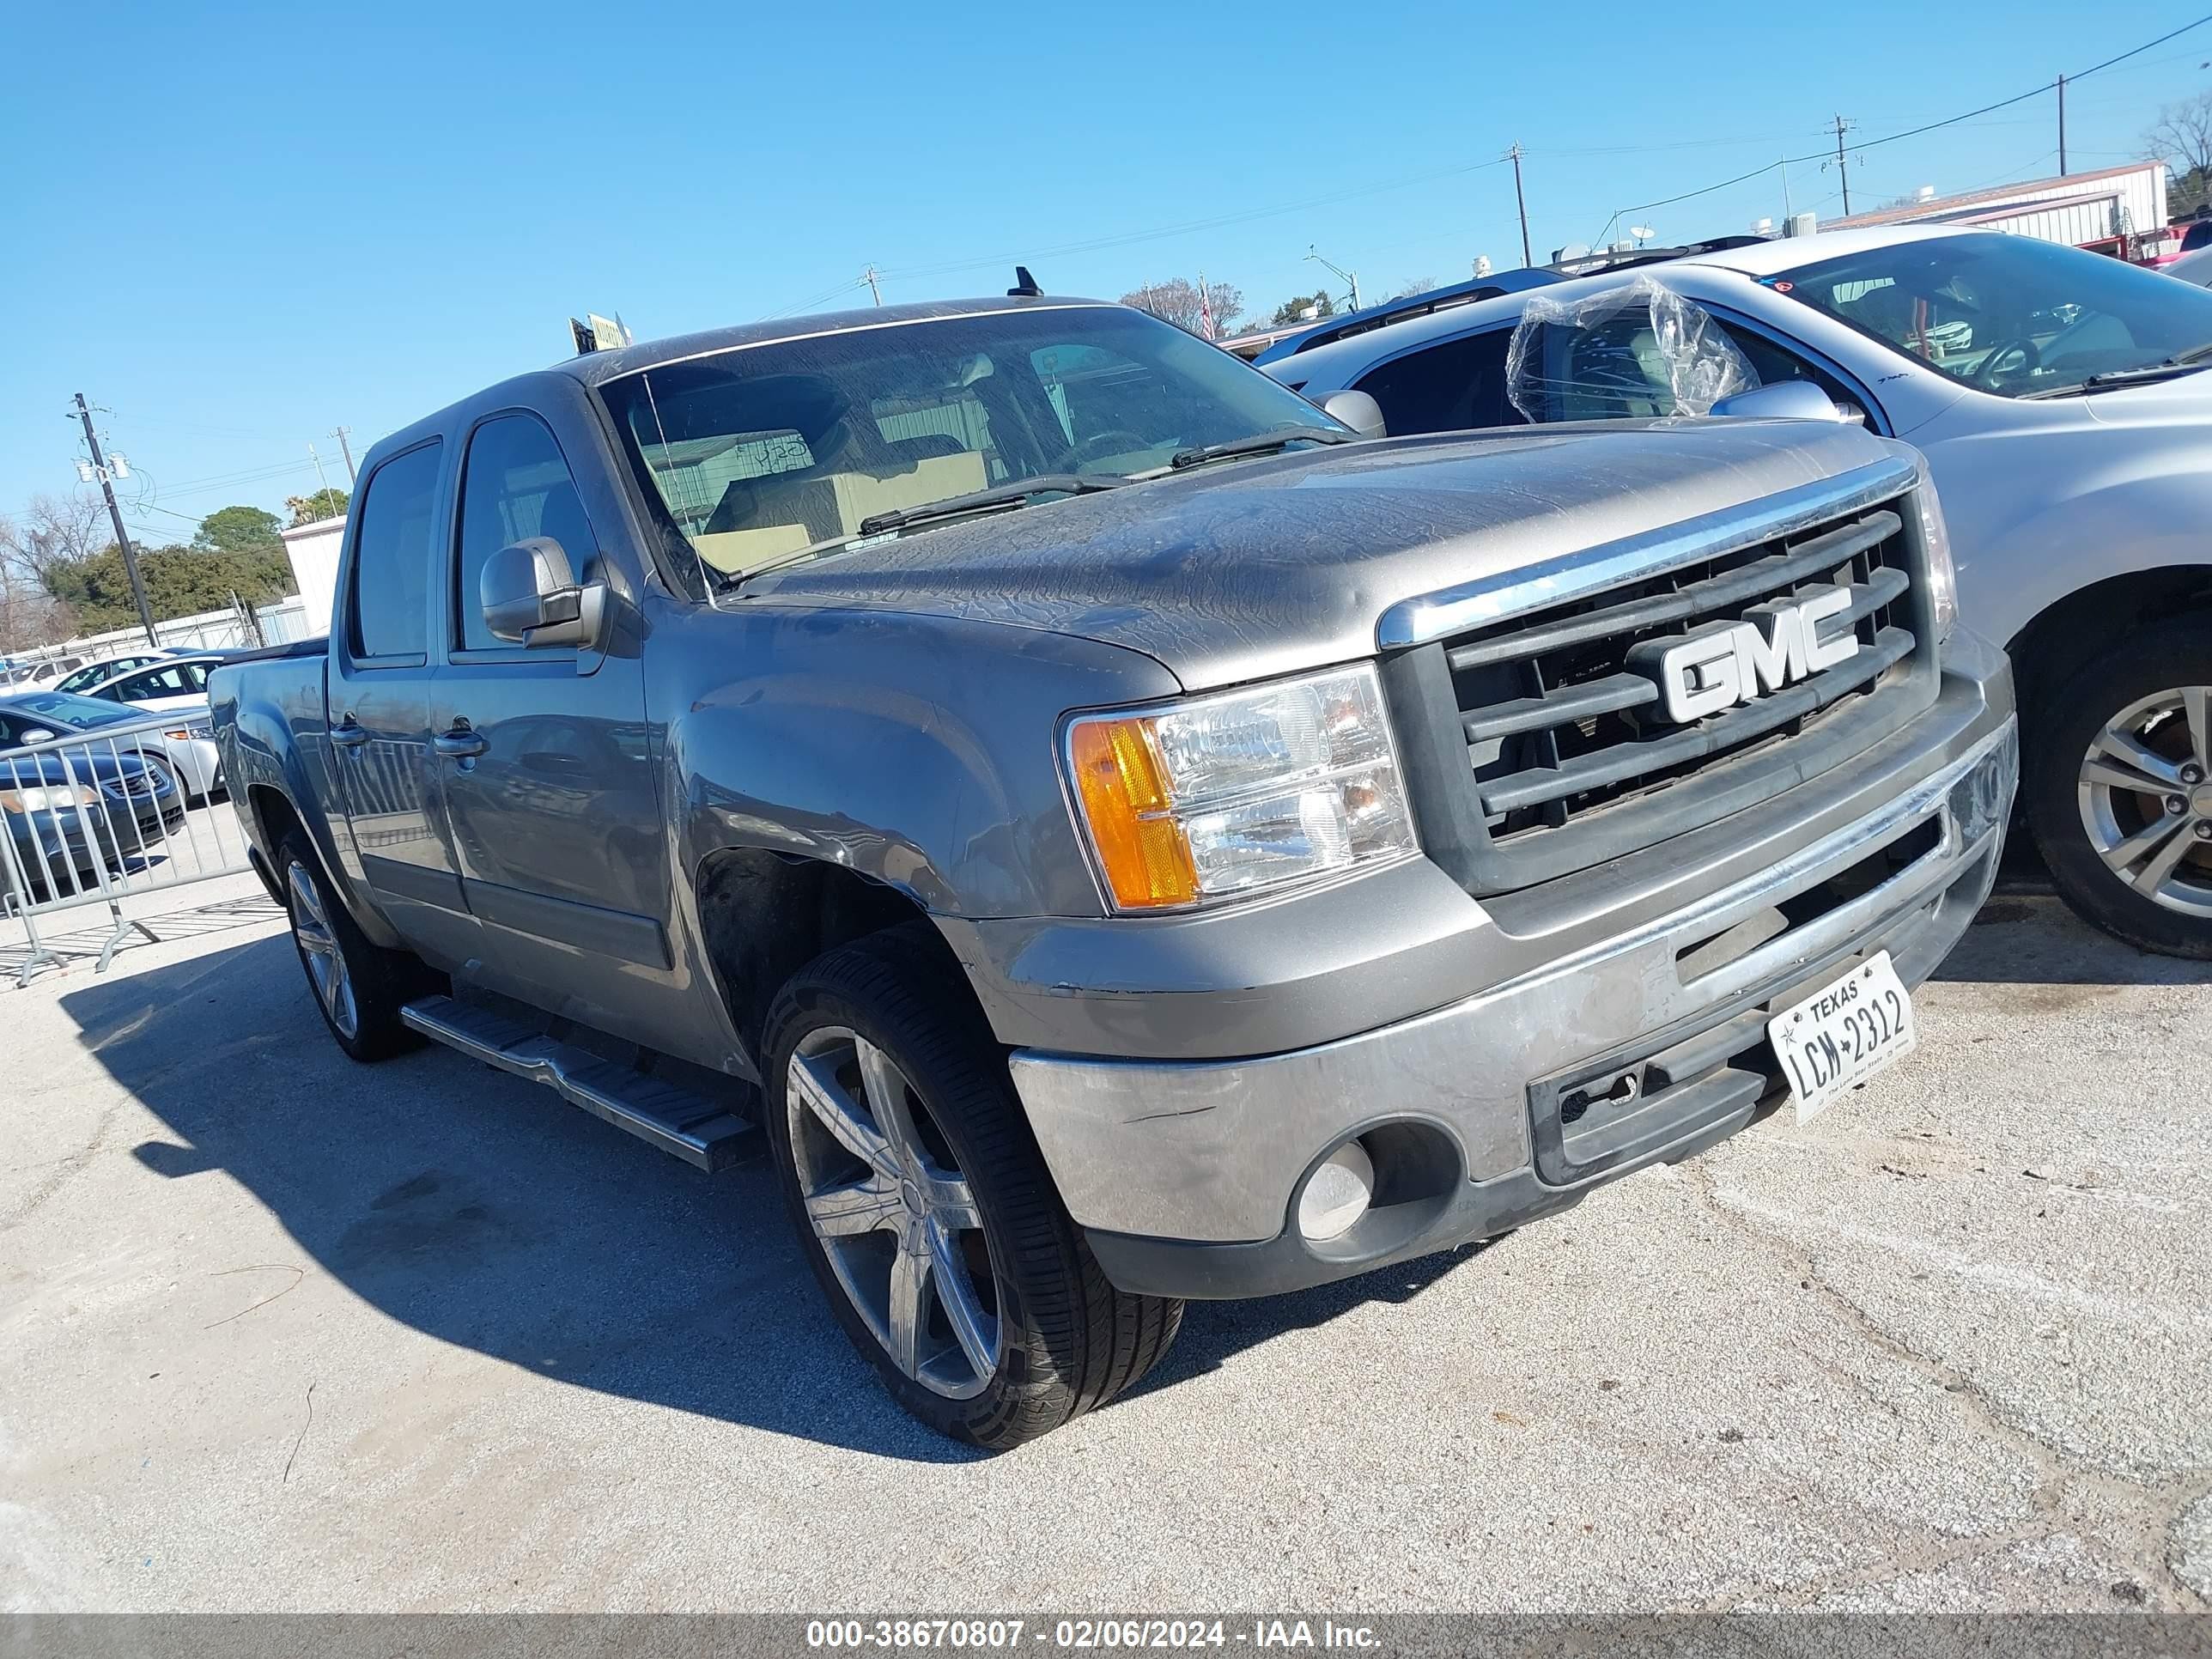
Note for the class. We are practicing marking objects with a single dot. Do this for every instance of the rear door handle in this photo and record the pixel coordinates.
(461, 741)
(349, 734)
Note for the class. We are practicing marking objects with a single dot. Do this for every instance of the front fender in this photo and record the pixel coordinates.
(2037, 516)
(916, 751)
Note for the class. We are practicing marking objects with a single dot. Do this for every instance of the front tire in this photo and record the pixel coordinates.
(2118, 791)
(925, 1208)
(359, 988)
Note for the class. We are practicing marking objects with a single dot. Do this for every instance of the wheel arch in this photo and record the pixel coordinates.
(273, 817)
(2070, 632)
(765, 915)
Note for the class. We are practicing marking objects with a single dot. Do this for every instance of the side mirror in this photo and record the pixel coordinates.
(1357, 410)
(1786, 400)
(37, 734)
(531, 597)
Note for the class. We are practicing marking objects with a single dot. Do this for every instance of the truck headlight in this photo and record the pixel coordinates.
(1215, 796)
(1942, 572)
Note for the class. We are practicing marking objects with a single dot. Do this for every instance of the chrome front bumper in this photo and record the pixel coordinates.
(1186, 1173)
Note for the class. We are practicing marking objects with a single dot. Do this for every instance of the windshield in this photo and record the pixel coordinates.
(760, 452)
(65, 710)
(2008, 314)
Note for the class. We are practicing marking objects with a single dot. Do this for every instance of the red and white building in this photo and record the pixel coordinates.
(2116, 211)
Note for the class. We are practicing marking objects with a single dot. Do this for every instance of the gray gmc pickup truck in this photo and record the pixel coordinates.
(1122, 833)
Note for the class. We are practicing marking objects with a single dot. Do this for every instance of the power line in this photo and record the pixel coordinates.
(1915, 131)
(1189, 227)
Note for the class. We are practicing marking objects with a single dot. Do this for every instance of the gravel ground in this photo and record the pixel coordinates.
(281, 1332)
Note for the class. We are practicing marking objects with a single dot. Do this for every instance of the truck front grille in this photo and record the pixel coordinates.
(1570, 759)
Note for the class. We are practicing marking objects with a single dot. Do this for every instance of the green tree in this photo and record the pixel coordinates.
(240, 529)
(180, 581)
(1294, 309)
(323, 504)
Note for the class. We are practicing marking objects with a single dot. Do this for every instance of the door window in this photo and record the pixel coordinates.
(1774, 364)
(391, 555)
(516, 485)
(1447, 388)
(178, 680)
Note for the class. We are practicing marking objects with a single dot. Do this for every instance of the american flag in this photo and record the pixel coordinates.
(1204, 307)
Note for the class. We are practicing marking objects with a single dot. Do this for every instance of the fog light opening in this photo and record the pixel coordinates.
(1338, 1194)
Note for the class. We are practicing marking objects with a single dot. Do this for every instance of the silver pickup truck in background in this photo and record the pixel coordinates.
(1122, 836)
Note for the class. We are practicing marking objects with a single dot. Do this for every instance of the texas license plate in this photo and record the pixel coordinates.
(1842, 1034)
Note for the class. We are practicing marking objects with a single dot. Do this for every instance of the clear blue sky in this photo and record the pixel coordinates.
(240, 226)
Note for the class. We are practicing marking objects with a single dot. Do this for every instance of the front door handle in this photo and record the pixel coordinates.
(349, 734)
(461, 741)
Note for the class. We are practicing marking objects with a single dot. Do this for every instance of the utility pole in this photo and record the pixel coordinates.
(346, 449)
(115, 518)
(874, 287)
(322, 484)
(1842, 168)
(2062, 126)
(1351, 277)
(1521, 202)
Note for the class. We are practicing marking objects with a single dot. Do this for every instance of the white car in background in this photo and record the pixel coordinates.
(2064, 402)
(172, 684)
(95, 673)
(29, 717)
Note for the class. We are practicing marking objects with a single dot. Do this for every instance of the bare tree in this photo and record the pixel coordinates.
(1418, 285)
(1178, 301)
(2183, 136)
(56, 530)
(29, 615)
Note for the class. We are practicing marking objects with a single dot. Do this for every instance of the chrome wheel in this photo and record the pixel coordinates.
(894, 1214)
(2146, 798)
(320, 951)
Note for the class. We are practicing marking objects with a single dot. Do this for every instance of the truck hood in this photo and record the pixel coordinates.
(1244, 569)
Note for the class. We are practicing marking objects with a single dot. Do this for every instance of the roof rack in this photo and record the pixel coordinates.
(1591, 263)
(1345, 325)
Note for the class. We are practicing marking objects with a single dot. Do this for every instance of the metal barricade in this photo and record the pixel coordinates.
(99, 817)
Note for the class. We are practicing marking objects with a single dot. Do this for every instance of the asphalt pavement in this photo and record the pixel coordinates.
(281, 1332)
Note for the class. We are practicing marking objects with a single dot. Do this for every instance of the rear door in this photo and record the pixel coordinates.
(548, 777)
(381, 671)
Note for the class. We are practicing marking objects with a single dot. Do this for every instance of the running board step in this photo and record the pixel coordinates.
(682, 1122)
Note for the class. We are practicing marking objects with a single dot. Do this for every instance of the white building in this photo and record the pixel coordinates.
(2117, 211)
(313, 550)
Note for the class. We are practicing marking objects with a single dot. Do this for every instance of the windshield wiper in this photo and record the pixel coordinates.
(1015, 492)
(1259, 443)
(2188, 363)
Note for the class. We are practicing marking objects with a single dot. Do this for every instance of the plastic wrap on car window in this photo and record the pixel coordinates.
(1638, 349)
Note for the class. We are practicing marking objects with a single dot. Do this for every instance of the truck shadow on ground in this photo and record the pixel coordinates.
(479, 1210)
(2032, 939)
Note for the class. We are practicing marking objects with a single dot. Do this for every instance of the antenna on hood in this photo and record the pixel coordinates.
(1025, 286)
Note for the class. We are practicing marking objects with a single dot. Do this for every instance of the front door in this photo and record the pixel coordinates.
(380, 671)
(548, 773)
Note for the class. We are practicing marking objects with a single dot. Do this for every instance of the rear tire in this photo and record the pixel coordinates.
(924, 1208)
(2123, 858)
(359, 988)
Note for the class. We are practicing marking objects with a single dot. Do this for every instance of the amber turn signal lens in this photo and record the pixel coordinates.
(1140, 847)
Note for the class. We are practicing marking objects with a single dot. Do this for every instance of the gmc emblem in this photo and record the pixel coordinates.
(1725, 663)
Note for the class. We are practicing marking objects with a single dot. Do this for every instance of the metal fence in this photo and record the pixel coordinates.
(98, 818)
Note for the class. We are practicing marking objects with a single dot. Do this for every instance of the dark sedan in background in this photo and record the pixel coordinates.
(69, 817)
